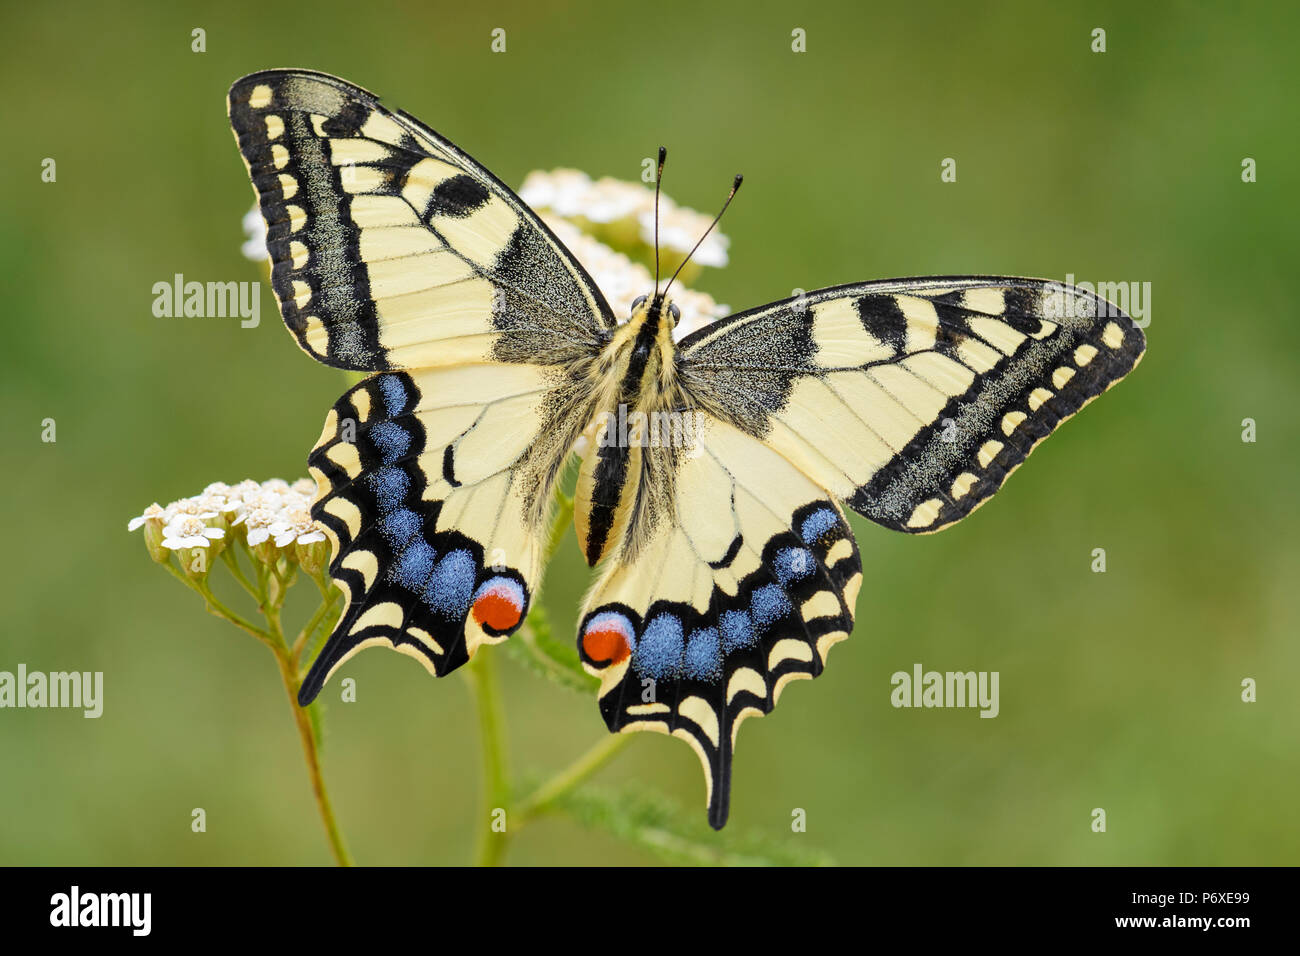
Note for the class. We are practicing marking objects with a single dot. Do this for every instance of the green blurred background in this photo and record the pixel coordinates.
(1118, 690)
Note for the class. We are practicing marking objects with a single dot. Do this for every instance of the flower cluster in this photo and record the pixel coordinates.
(272, 518)
(622, 214)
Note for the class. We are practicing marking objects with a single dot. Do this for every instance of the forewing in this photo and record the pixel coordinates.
(390, 247)
(912, 400)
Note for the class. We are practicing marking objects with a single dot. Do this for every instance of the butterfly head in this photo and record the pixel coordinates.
(651, 307)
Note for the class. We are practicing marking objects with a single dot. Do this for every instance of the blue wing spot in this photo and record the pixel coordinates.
(414, 564)
(390, 486)
(704, 654)
(737, 630)
(817, 524)
(793, 564)
(452, 584)
(659, 652)
(393, 394)
(768, 605)
(392, 441)
(397, 527)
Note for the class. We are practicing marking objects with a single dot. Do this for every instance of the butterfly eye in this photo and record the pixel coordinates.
(676, 313)
(640, 301)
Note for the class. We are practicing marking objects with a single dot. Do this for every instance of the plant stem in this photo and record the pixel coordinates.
(216, 608)
(284, 658)
(273, 637)
(326, 605)
(496, 781)
(545, 796)
(232, 561)
(312, 754)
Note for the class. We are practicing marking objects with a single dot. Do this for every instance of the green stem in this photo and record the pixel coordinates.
(326, 604)
(273, 637)
(496, 780)
(231, 558)
(544, 798)
(327, 625)
(310, 751)
(284, 659)
(216, 608)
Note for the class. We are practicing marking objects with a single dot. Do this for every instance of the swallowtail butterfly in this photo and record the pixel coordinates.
(727, 567)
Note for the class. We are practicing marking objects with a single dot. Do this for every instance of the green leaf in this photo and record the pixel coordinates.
(660, 826)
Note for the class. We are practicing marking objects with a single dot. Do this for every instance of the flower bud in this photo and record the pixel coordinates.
(313, 556)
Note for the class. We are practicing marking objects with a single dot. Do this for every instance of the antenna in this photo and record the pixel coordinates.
(659, 174)
(734, 186)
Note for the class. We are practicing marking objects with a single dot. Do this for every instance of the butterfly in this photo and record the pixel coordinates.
(727, 568)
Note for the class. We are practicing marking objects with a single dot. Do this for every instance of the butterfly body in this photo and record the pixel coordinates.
(713, 488)
(640, 384)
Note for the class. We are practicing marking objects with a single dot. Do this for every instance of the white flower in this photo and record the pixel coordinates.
(254, 246)
(155, 510)
(571, 194)
(296, 524)
(269, 510)
(189, 531)
(199, 507)
(257, 524)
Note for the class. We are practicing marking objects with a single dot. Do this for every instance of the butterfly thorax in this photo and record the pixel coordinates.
(636, 429)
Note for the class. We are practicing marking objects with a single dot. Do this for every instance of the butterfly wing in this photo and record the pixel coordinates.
(743, 585)
(912, 400)
(391, 248)
(394, 252)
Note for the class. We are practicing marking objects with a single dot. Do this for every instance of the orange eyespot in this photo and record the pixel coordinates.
(496, 611)
(603, 644)
(499, 604)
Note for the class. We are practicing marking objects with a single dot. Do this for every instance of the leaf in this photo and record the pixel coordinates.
(536, 647)
(660, 826)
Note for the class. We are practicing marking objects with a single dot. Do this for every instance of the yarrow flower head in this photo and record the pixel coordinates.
(272, 518)
(189, 531)
(622, 214)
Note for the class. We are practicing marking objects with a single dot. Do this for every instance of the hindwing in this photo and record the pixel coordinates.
(743, 585)
(433, 487)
